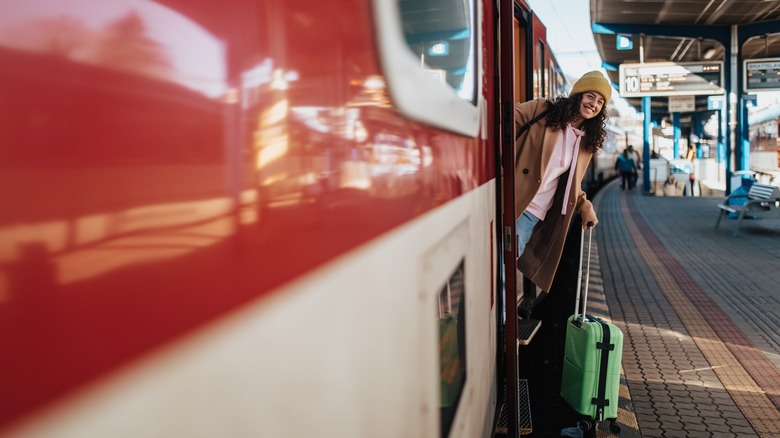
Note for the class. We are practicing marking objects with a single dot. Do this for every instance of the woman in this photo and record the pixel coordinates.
(552, 157)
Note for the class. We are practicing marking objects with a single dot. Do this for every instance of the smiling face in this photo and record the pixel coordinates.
(590, 107)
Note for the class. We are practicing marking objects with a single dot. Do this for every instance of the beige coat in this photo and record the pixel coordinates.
(533, 151)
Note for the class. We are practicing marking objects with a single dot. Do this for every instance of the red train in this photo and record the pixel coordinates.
(259, 217)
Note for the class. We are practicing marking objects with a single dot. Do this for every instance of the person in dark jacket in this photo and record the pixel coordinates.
(627, 167)
(551, 159)
(633, 153)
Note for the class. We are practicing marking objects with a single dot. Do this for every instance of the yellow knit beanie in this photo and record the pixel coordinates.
(593, 81)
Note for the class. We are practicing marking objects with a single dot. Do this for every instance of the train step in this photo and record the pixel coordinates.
(526, 330)
(524, 425)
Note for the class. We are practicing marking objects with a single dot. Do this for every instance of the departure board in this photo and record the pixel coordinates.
(761, 74)
(671, 79)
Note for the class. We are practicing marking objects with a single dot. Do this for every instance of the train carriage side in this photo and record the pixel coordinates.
(602, 167)
(262, 218)
(257, 217)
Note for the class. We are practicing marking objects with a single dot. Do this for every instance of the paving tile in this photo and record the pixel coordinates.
(673, 424)
(691, 426)
(744, 431)
(698, 434)
(688, 412)
(718, 429)
(666, 412)
(651, 432)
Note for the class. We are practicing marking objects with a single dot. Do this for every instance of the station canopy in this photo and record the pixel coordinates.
(660, 23)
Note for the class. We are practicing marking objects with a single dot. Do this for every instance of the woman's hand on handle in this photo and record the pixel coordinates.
(589, 224)
(589, 219)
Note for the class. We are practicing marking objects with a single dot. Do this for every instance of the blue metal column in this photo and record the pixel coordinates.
(646, 144)
(741, 142)
(721, 146)
(744, 135)
(676, 135)
(698, 129)
(729, 149)
(729, 85)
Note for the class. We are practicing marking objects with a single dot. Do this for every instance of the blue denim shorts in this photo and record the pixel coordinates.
(525, 226)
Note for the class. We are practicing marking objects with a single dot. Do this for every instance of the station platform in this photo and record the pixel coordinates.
(700, 312)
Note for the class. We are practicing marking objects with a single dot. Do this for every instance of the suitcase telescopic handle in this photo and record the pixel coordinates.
(587, 273)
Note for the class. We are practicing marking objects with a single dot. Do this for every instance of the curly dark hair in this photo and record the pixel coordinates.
(562, 110)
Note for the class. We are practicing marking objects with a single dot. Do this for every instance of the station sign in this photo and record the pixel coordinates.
(761, 74)
(624, 42)
(714, 102)
(682, 104)
(671, 79)
(750, 100)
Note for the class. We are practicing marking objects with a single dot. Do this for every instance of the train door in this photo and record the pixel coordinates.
(534, 78)
(516, 67)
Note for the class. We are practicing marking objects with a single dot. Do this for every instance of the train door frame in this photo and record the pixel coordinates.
(515, 67)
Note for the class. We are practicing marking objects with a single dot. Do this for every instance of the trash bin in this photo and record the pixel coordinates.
(741, 190)
(742, 178)
(747, 183)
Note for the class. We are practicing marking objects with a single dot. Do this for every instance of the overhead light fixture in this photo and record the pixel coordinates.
(709, 53)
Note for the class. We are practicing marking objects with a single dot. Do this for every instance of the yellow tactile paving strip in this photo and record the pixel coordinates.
(747, 394)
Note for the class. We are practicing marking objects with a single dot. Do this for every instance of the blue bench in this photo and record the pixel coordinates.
(761, 198)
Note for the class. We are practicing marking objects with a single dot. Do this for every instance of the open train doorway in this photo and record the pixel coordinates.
(527, 70)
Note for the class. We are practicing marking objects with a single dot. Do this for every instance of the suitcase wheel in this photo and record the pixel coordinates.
(586, 425)
(614, 427)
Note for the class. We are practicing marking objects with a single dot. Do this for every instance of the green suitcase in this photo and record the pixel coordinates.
(592, 356)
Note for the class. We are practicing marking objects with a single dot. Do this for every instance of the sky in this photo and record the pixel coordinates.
(569, 34)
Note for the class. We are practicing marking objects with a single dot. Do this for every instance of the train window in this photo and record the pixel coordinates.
(440, 33)
(552, 80)
(428, 53)
(539, 69)
(560, 82)
(452, 346)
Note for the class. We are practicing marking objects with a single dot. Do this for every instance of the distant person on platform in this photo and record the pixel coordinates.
(691, 153)
(627, 167)
(551, 159)
(638, 161)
